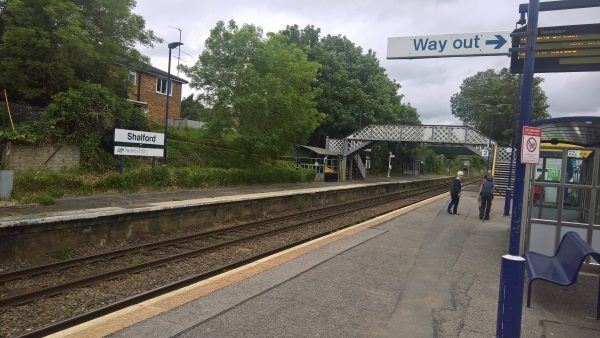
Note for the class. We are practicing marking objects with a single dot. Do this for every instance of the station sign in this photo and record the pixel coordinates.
(140, 137)
(530, 146)
(448, 45)
(573, 48)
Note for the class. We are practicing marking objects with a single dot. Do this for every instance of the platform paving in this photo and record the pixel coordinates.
(423, 274)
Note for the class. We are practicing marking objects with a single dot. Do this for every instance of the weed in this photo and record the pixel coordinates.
(64, 252)
(136, 259)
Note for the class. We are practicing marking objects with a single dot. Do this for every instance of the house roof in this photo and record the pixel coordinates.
(149, 69)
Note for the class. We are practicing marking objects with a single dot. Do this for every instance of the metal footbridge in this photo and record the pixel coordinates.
(425, 134)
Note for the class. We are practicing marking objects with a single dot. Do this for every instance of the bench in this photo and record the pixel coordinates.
(563, 267)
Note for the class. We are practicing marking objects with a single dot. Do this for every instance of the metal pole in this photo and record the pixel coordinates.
(511, 291)
(166, 158)
(510, 299)
(490, 137)
(524, 118)
(509, 189)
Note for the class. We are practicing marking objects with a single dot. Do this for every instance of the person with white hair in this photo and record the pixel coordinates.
(455, 193)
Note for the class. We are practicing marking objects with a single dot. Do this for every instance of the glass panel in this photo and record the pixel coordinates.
(595, 243)
(576, 205)
(545, 203)
(597, 218)
(552, 170)
(580, 165)
(541, 238)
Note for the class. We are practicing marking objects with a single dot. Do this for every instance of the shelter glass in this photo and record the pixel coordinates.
(580, 167)
(576, 205)
(545, 203)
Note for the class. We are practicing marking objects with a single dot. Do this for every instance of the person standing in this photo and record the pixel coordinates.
(486, 195)
(455, 193)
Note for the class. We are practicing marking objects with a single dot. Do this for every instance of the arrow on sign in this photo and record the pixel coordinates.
(499, 42)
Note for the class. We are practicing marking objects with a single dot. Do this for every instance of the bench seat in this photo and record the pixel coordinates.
(562, 268)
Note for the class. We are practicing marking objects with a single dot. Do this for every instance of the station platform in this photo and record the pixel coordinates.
(83, 205)
(418, 272)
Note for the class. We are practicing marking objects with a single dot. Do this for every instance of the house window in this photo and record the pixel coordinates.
(161, 86)
(132, 78)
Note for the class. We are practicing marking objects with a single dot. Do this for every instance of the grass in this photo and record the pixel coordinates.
(42, 187)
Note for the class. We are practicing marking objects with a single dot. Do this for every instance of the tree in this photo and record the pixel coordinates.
(354, 89)
(494, 88)
(192, 109)
(49, 46)
(258, 89)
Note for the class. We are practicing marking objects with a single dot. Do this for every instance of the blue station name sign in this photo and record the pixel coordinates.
(448, 45)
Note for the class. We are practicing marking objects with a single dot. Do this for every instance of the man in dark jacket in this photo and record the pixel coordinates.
(486, 194)
(455, 193)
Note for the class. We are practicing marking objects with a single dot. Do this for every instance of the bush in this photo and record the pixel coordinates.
(43, 187)
(86, 116)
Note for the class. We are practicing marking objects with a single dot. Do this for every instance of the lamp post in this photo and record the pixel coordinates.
(494, 108)
(171, 46)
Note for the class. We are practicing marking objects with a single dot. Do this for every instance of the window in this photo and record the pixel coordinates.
(132, 78)
(161, 86)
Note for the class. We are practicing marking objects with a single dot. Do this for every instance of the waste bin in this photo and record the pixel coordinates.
(6, 184)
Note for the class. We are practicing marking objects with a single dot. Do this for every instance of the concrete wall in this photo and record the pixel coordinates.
(41, 237)
(55, 158)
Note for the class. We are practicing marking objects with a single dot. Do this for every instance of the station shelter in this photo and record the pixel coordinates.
(562, 192)
(324, 162)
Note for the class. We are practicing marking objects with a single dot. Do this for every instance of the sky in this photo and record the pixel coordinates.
(427, 84)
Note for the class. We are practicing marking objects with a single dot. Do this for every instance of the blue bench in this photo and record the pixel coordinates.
(563, 267)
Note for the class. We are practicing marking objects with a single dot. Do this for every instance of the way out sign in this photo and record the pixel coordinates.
(448, 45)
(530, 146)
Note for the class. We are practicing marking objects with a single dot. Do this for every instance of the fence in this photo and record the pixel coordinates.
(22, 117)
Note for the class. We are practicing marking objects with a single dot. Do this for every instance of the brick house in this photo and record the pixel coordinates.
(148, 89)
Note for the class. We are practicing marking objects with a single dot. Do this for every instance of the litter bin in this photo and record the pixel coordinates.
(6, 184)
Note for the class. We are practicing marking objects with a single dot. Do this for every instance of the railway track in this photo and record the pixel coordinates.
(183, 248)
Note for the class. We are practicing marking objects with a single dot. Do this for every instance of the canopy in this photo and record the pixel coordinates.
(576, 130)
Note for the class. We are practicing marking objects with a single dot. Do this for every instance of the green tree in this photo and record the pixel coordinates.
(259, 90)
(192, 109)
(354, 89)
(49, 46)
(494, 88)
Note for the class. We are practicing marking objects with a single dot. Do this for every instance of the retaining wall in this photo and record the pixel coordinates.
(39, 237)
(42, 157)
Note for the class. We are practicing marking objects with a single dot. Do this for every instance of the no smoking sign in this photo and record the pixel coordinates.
(530, 148)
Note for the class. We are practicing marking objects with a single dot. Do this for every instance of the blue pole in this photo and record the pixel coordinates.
(509, 188)
(511, 278)
(511, 292)
(524, 118)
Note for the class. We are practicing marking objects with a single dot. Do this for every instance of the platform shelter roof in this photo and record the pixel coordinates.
(576, 130)
(320, 151)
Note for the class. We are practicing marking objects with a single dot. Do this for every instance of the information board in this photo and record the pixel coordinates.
(573, 48)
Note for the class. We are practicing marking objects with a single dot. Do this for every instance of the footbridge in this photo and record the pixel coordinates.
(425, 134)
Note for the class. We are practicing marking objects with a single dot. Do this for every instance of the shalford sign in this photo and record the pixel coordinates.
(448, 45)
(136, 136)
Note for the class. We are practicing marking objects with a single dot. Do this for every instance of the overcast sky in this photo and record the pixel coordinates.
(427, 84)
